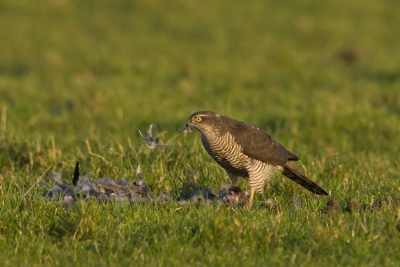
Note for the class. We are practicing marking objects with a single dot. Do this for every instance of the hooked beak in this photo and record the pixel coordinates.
(186, 128)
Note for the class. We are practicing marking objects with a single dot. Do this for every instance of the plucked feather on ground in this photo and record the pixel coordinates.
(151, 142)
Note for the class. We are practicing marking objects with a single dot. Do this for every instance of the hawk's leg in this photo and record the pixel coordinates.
(234, 179)
(258, 173)
(251, 196)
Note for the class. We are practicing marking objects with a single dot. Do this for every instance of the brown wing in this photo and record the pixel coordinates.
(258, 144)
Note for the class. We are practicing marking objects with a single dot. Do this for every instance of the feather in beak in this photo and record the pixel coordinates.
(186, 128)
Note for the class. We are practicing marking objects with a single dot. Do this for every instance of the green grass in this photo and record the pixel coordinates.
(78, 79)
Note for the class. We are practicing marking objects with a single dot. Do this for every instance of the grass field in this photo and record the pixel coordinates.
(78, 79)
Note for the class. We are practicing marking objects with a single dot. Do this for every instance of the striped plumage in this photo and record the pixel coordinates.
(245, 150)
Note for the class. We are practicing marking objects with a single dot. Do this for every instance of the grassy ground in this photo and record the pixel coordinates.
(78, 79)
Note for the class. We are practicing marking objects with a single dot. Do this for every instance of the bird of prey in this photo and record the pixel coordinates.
(245, 150)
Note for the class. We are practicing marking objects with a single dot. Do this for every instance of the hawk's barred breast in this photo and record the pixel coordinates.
(228, 154)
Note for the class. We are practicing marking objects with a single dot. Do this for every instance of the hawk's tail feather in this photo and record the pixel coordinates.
(295, 175)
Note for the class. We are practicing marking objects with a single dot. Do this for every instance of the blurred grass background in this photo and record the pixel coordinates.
(80, 78)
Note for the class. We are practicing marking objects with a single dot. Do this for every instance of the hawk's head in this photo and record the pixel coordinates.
(204, 121)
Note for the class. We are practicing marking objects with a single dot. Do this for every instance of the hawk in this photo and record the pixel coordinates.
(245, 150)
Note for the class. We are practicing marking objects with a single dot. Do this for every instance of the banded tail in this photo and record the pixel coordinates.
(295, 175)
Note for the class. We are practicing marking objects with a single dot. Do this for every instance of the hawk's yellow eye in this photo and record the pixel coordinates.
(198, 119)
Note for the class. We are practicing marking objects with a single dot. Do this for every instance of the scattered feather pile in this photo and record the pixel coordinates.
(103, 189)
(123, 191)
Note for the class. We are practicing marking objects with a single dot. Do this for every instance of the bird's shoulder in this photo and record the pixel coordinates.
(249, 133)
(258, 144)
